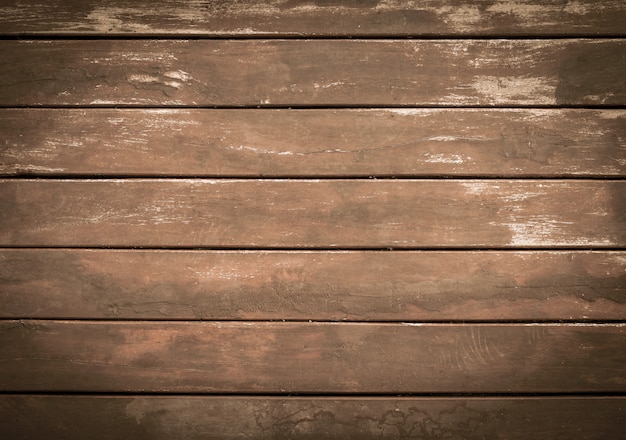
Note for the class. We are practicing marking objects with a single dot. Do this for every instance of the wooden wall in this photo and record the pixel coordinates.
(312, 219)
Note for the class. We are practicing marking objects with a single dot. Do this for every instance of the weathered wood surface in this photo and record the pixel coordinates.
(272, 357)
(391, 142)
(409, 286)
(128, 323)
(163, 418)
(313, 213)
(313, 72)
(312, 17)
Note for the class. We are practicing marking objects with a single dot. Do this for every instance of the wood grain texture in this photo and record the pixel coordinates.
(402, 286)
(313, 72)
(163, 418)
(312, 17)
(312, 213)
(250, 143)
(272, 357)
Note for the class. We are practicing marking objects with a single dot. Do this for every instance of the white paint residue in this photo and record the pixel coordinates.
(169, 111)
(149, 79)
(612, 114)
(600, 213)
(407, 111)
(34, 41)
(523, 54)
(262, 151)
(577, 8)
(443, 158)
(143, 78)
(454, 139)
(100, 216)
(515, 89)
(248, 31)
(621, 162)
(480, 188)
(174, 84)
(518, 8)
(103, 102)
(546, 231)
(105, 20)
(518, 197)
(443, 138)
(600, 99)
(458, 99)
(220, 274)
(180, 75)
(620, 259)
(463, 18)
(147, 56)
(329, 85)
(39, 168)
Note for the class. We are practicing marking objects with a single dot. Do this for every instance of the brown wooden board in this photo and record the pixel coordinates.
(312, 17)
(250, 143)
(313, 72)
(403, 286)
(313, 213)
(265, 418)
(290, 357)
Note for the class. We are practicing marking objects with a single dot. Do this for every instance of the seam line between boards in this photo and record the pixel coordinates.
(302, 36)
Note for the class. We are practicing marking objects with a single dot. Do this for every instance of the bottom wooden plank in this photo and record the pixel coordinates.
(200, 417)
(302, 357)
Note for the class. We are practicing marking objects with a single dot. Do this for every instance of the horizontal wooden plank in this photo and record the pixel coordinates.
(409, 286)
(305, 17)
(392, 142)
(312, 213)
(267, 357)
(157, 418)
(313, 72)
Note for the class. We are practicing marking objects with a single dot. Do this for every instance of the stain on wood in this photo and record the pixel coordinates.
(359, 143)
(313, 72)
(313, 17)
(160, 418)
(289, 357)
(312, 213)
(352, 286)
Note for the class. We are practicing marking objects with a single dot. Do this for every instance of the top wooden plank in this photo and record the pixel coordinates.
(249, 18)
